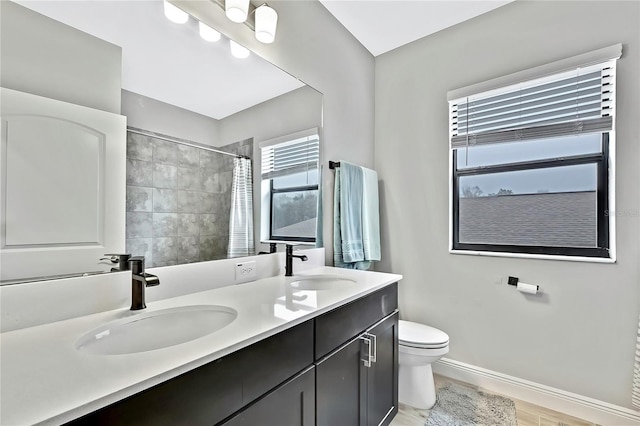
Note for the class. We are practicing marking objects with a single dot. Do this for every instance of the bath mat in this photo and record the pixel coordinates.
(458, 405)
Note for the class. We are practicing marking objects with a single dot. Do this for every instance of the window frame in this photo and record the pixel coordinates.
(273, 191)
(601, 159)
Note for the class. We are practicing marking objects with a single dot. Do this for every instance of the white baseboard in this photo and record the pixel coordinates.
(580, 406)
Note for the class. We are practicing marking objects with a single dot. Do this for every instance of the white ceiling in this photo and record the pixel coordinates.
(170, 62)
(383, 25)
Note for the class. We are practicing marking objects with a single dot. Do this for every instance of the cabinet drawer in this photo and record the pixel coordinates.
(340, 325)
(213, 392)
(202, 396)
(271, 361)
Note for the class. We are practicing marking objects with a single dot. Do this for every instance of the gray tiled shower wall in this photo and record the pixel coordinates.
(178, 200)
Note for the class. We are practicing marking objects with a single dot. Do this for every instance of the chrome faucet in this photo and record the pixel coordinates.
(288, 266)
(139, 281)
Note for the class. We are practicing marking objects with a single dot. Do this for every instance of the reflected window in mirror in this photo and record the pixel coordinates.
(290, 177)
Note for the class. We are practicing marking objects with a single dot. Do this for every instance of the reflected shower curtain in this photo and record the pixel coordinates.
(635, 391)
(241, 220)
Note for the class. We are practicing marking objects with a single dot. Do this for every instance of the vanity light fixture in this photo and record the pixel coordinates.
(238, 51)
(266, 23)
(208, 33)
(237, 10)
(175, 14)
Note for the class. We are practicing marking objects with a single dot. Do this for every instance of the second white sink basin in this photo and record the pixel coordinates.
(156, 330)
(321, 282)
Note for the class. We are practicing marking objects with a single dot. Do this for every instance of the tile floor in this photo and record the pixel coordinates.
(527, 414)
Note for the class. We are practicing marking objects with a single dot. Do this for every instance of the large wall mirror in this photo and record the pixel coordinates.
(196, 115)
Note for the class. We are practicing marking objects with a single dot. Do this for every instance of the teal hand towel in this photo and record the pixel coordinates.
(319, 211)
(337, 239)
(351, 202)
(370, 216)
(356, 217)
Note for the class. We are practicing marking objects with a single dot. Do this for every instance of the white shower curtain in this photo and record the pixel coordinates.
(635, 392)
(241, 220)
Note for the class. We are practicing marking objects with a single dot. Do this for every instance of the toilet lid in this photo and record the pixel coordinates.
(421, 336)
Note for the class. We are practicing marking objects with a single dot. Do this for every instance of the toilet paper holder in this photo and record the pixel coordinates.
(522, 287)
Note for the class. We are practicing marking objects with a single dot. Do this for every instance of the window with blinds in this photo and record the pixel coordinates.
(290, 169)
(532, 164)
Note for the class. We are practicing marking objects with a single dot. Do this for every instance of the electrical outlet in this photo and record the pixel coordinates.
(246, 271)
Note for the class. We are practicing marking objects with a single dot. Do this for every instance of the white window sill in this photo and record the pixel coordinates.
(535, 256)
(293, 243)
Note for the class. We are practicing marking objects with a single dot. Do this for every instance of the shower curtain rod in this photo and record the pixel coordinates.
(181, 141)
(334, 164)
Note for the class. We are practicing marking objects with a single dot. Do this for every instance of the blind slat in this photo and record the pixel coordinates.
(577, 96)
(568, 103)
(559, 86)
(601, 124)
(290, 157)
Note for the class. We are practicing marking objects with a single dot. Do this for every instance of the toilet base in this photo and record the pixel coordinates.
(416, 387)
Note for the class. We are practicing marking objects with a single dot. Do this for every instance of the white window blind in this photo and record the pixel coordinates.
(290, 157)
(563, 104)
(566, 98)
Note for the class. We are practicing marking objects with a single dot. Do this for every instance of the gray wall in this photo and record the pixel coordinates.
(297, 110)
(580, 335)
(160, 117)
(44, 57)
(313, 46)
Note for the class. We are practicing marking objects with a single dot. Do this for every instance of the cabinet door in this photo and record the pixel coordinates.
(382, 376)
(291, 404)
(340, 387)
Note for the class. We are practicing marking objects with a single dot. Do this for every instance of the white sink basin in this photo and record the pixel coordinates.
(156, 330)
(321, 282)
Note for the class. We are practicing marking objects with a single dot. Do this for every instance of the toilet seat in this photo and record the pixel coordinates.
(420, 336)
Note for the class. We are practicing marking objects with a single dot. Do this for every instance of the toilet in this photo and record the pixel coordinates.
(419, 346)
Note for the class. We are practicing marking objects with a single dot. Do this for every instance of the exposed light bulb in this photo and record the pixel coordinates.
(208, 33)
(175, 14)
(266, 23)
(237, 10)
(238, 51)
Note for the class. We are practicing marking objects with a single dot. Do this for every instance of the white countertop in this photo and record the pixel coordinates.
(45, 379)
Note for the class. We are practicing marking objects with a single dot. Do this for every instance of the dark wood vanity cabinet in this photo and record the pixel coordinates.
(311, 374)
(357, 382)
